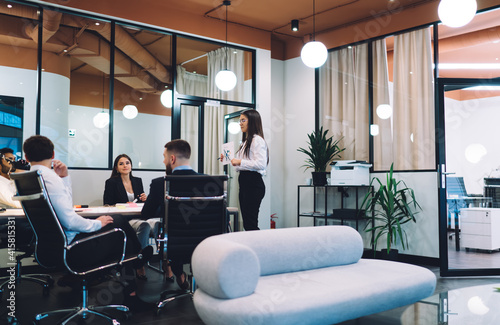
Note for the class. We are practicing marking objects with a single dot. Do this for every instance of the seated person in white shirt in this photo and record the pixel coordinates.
(24, 233)
(7, 187)
(39, 151)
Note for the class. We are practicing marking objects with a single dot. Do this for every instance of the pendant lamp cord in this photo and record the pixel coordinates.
(314, 21)
(227, 4)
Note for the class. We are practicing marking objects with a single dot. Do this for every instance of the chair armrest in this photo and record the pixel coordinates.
(93, 237)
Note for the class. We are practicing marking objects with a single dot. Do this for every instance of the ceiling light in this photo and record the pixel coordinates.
(488, 88)
(101, 120)
(234, 127)
(295, 25)
(314, 54)
(225, 79)
(374, 130)
(469, 66)
(475, 152)
(130, 111)
(9, 6)
(384, 111)
(166, 98)
(457, 13)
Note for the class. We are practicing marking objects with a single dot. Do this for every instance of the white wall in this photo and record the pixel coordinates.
(298, 120)
(467, 123)
(263, 62)
(276, 140)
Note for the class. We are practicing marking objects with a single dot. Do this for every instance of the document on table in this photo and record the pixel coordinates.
(227, 152)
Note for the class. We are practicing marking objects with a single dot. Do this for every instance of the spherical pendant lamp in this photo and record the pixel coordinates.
(384, 111)
(225, 80)
(101, 120)
(457, 13)
(166, 98)
(314, 53)
(130, 112)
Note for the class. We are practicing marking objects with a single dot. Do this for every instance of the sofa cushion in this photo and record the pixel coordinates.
(304, 248)
(225, 269)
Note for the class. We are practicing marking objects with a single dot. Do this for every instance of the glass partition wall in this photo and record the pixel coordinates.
(99, 88)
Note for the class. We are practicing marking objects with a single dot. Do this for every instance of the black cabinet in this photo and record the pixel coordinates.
(331, 202)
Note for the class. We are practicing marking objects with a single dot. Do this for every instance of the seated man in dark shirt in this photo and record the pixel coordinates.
(176, 159)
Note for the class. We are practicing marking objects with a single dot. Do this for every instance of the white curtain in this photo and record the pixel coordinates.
(344, 99)
(194, 84)
(414, 146)
(382, 143)
(189, 83)
(214, 116)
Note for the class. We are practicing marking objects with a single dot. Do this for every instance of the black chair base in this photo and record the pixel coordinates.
(84, 311)
(171, 295)
(45, 280)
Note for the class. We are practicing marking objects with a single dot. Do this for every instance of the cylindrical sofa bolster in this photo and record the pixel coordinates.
(229, 265)
(225, 269)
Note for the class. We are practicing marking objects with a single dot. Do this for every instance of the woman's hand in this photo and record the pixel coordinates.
(143, 197)
(235, 162)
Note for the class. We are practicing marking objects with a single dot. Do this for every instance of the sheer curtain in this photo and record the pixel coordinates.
(413, 101)
(382, 143)
(214, 115)
(196, 85)
(344, 99)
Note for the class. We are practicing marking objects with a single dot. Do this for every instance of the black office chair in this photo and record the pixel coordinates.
(52, 250)
(25, 247)
(195, 208)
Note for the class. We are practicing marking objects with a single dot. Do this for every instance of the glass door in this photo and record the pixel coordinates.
(469, 166)
(190, 120)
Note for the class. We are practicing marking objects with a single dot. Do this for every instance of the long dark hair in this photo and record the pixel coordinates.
(254, 127)
(114, 172)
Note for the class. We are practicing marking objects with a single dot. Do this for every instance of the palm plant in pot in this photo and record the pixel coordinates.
(321, 151)
(391, 206)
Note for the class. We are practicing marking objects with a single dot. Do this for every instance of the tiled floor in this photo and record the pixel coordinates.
(29, 302)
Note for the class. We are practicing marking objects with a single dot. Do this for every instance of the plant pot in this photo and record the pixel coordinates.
(319, 178)
(393, 254)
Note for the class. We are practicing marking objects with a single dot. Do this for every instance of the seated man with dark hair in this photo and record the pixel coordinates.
(39, 151)
(176, 157)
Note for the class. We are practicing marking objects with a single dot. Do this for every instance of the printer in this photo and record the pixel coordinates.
(350, 172)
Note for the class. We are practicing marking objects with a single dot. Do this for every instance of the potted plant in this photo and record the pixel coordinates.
(321, 151)
(391, 206)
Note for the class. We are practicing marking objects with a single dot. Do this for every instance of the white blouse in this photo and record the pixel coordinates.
(257, 157)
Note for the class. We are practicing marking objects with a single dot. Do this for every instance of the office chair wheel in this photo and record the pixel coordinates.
(45, 290)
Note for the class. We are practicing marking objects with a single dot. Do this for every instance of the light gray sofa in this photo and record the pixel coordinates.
(307, 275)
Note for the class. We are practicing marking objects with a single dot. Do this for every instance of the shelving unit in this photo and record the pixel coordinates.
(338, 211)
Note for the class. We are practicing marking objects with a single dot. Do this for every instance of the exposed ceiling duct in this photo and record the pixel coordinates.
(135, 72)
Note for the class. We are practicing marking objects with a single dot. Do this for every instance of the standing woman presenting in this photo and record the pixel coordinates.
(251, 161)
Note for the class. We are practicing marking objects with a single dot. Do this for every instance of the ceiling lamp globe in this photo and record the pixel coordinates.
(457, 13)
(384, 111)
(234, 127)
(314, 54)
(101, 120)
(130, 112)
(225, 80)
(166, 98)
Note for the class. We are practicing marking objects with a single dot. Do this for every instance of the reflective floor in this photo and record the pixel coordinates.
(29, 302)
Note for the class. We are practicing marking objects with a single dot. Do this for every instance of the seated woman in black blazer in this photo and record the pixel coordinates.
(122, 187)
